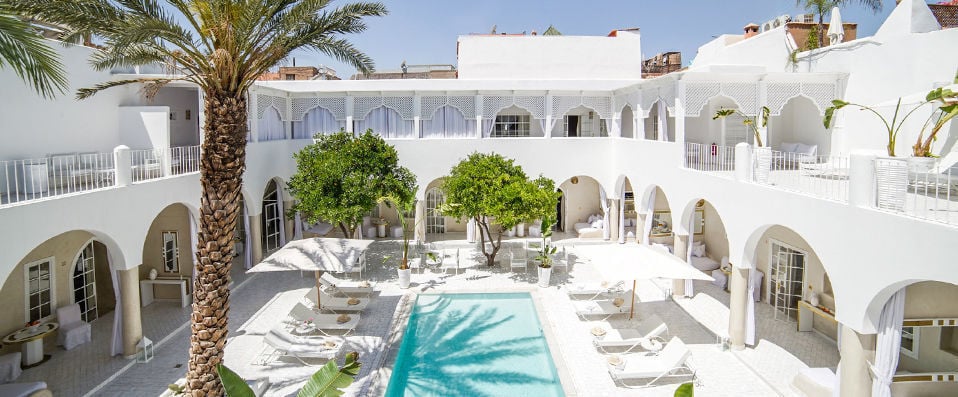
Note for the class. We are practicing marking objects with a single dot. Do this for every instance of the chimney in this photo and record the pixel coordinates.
(534, 33)
(751, 30)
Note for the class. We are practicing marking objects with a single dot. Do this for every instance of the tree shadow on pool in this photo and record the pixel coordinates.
(452, 358)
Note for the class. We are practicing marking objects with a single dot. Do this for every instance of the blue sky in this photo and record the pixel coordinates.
(425, 31)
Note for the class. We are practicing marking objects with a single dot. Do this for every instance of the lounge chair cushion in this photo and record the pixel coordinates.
(814, 382)
(28, 389)
(10, 367)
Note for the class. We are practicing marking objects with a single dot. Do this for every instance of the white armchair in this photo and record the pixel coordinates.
(73, 330)
(10, 367)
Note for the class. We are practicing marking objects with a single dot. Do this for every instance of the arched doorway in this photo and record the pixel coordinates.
(435, 221)
(627, 122)
(584, 208)
(83, 282)
(558, 226)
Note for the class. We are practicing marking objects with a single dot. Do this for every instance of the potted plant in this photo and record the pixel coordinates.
(947, 101)
(763, 154)
(402, 207)
(546, 250)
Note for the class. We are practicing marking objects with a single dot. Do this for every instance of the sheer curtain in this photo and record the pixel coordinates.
(387, 123)
(271, 126)
(649, 214)
(889, 344)
(603, 200)
(487, 127)
(663, 121)
(688, 259)
(316, 121)
(448, 122)
(622, 216)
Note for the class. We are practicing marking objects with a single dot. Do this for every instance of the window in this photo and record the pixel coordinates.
(435, 222)
(909, 341)
(84, 283)
(786, 279)
(290, 77)
(39, 280)
(171, 262)
(511, 126)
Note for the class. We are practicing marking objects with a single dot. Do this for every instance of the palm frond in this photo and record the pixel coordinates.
(85, 93)
(28, 55)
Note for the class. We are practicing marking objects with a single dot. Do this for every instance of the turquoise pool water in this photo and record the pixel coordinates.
(474, 345)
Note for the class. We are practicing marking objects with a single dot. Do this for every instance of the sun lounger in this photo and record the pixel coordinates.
(605, 308)
(285, 344)
(450, 261)
(518, 260)
(673, 361)
(308, 320)
(27, 389)
(593, 290)
(345, 286)
(646, 335)
(335, 304)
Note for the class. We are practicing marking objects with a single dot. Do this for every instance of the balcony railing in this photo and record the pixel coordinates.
(62, 174)
(710, 158)
(819, 176)
(918, 187)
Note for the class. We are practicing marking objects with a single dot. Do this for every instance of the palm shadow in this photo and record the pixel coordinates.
(455, 355)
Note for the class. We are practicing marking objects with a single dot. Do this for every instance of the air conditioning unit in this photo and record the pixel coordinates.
(776, 23)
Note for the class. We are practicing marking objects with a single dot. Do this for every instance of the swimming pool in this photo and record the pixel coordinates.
(474, 345)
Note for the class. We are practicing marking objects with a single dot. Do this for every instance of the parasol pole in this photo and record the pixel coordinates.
(319, 273)
(632, 309)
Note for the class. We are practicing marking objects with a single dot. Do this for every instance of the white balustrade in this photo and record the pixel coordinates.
(819, 176)
(33, 179)
(919, 187)
(184, 159)
(147, 164)
(710, 158)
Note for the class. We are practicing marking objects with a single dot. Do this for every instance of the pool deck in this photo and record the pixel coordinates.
(261, 301)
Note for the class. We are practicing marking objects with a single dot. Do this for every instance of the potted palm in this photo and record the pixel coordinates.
(763, 154)
(546, 250)
(402, 207)
(947, 101)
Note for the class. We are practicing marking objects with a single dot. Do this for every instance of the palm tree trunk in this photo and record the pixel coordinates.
(221, 170)
(821, 29)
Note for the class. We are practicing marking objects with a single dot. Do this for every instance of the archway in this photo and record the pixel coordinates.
(448, 122)
(511, 122)
(799, 122)
(581, 121)
(168, 248)
(629, 225)
(657, 223)
(317, 120)
(724, 132)
(92, 281)
(627, 122)
(271, 127)
(387, 123)
(584, 208)
(659, 124)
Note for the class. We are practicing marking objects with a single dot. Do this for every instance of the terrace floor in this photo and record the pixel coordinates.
(261, 301)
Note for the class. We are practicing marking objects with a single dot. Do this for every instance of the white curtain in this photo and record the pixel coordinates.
(298, 227)
(316, 121)
(448, 122)
(622, 216)
(649, 214)
(688, 255)
(248, 244)
(387, 123)
(282, 215)
(603, 200)
(487, 127)
(116, 348)
(663, 121)
(888, 345)
(271, 126)
(750, 310)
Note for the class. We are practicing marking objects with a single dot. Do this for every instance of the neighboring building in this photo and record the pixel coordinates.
(112, 184)
(946, 13)
(801, 30)
(661, 64)
(300, 73)
(411, 72)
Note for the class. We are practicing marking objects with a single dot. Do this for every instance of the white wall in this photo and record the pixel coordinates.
(144, 127)
(483, 57)
(767, 49)
(34, 127)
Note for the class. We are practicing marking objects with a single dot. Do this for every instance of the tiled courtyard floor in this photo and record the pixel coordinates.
(261, 301)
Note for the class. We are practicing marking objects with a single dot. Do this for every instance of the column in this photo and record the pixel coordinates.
(420, 222)
(256, 236)
(638, 125)
(762, 103)
(349, 114)
(681, 250)
(478, 116)
(417, 110)
(132, 325)
(861, 179)
(122, 166)
(253, 116)
(743, 162)
(614, 219)
(679, 112)
(856, 351)
(738, 300)
(549, 116)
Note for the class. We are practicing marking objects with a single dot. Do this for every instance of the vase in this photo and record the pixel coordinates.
(545, 274)
(153, 274)
(891, 176)
(813, 298)
(404, 277)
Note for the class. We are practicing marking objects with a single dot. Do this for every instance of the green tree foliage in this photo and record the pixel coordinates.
(822, 7)
(814, 38)
(497, 194)
(24, 51)
(341, 177)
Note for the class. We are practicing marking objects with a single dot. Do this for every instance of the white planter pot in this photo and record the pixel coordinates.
(921, 164)
(521, 230)
(404, 276)
(763, 164)
(892, 180)
(544, 275)
(511, 232)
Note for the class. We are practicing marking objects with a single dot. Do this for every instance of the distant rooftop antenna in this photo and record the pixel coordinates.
(493, 30)
(403, 67)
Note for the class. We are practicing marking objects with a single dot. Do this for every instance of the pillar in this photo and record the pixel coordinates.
(614, 219)
(132, 325)
(679, 112)
(420, 222)
(256, 236)
(122, 166)
(640, 236)
(861, 179)
(738, 301)
(856, 351)
(638, 125)
(743, 162)
(288, 223)
(681, 250)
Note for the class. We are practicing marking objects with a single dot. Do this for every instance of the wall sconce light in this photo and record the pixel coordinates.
(574, 180)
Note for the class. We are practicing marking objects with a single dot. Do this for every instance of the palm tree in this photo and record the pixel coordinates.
(24, 51)
(221, 46)
(822, 7)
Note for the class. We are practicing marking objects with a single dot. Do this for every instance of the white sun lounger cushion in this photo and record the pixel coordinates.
(673, 356)
(586, 308)
(290, 344)
(814, 382)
